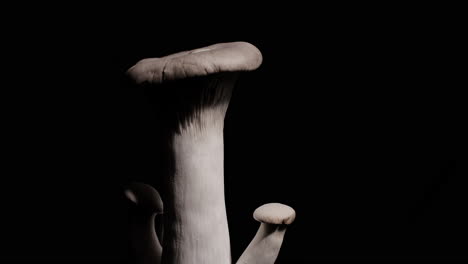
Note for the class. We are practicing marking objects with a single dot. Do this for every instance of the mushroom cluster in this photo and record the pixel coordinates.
(196, 87)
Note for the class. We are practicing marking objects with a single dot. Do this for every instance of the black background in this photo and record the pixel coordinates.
(355, 119)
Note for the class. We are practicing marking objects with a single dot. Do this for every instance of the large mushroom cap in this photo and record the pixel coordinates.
(222, 57)
(144, 196)
(275, 213)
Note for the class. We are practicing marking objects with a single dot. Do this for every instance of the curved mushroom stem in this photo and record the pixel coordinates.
(265, 246)
(143, 238)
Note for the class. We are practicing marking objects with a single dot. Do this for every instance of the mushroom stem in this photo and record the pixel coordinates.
(265, 246)
(196, 227)
(145, 243)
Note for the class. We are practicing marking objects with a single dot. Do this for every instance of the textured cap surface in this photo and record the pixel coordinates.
(222, 57)
(275, 213)
(145, 196)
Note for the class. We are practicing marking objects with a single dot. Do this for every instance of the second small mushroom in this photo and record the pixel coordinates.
(264, 248)
(143, 238)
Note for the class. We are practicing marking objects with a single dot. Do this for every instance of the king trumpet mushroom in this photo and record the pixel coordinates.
(192, 90)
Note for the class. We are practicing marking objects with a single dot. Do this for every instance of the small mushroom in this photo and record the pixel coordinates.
(143, 238)
(264, 248)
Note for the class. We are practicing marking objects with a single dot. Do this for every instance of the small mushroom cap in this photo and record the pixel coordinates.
(144, 196)
(275, 213)
(222, 57)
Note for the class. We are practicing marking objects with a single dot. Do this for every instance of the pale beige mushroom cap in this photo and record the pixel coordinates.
(222, 57)
(275, 213)
(144, 196)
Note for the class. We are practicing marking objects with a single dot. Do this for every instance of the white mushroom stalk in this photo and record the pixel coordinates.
(193, 90)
